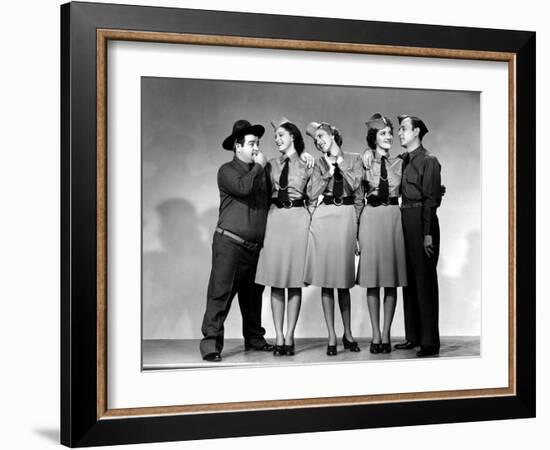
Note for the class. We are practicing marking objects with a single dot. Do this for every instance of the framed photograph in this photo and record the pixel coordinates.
(279, 224)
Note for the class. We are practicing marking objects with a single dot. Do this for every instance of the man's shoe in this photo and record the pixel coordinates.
(407, 345)
(427, 350)
(212, 357)
(260, 348)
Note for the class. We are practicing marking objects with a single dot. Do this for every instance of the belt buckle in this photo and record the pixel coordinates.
(338, 202)
(287, 204)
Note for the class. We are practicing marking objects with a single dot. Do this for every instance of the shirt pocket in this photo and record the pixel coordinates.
(412, 178)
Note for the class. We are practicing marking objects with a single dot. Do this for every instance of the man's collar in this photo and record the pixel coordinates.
(241, 163)
(417, 151)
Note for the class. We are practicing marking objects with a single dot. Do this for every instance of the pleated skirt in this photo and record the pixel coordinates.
(382, 260)
(282, 258)
(330, 257)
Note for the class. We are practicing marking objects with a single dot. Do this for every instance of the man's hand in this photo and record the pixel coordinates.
(307, 159)
(259, 158)
(428, 245)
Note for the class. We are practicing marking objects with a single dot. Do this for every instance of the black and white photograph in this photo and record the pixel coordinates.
(297, 224)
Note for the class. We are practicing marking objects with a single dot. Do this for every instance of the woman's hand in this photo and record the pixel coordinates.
(307, 159)
(339, 160)
(357, 248)
(368, 158)
(330, 160)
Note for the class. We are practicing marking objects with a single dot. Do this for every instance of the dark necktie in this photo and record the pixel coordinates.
(338, 189)
(383, 188)
(283, 183)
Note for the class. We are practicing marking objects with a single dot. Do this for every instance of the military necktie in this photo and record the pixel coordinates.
(383, 187)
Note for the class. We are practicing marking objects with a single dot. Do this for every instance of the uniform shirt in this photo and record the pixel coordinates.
(322, 183)
(243, 199)
(371, 176)
(298, 176)
(422, 183)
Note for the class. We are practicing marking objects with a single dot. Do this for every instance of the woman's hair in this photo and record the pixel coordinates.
(295, 133)
(333, 131)
(371, 134)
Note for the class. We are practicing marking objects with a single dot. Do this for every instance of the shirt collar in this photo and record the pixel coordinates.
(417, 151)
(291, 158)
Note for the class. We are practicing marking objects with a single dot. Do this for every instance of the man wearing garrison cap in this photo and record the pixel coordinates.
(237, 241)
(421, 195)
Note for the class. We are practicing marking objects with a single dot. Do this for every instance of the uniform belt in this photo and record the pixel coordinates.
(237, 238)
(287, 203)
(329, 200)
(375, 201)
(411, 205)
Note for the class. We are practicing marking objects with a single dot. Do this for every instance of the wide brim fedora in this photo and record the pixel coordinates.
(242, 128)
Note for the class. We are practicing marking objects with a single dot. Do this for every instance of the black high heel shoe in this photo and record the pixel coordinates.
(375, 348)
(279, 350)
(385, 347)
(352, 346)
(289, 350)
(331, 350)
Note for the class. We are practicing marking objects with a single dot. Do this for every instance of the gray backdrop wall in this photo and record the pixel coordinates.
(183, 124)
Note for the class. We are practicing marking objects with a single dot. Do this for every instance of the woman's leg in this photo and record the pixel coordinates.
(345, 309)
(390, 299)
(278, 311)
(293, 310)
(373, 302)
(327, 299)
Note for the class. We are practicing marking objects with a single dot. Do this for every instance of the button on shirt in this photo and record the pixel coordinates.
(298, 176)
(422, 183)
(371, 176)
(243, 199)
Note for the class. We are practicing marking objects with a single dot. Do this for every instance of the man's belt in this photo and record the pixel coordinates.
(375, 201)
(411, 205)
(236, 237)
(329, 200)
(287, 203)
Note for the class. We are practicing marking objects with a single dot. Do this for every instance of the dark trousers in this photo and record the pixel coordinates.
(233, 272)
(421, 295)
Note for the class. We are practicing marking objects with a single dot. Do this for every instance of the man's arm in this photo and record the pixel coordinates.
(431, 191)
(237, 184)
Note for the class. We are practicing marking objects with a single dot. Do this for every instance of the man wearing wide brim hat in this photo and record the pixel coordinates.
(237, 242)
(421, 196)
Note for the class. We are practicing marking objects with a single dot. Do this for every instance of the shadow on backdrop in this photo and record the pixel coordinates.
(175, 277)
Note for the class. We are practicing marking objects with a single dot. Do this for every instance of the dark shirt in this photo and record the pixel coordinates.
(422, 183)
(243, 199)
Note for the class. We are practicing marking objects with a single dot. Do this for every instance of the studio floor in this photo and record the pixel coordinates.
(159, 354)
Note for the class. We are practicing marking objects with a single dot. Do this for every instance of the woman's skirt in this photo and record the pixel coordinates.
(382, 259)
(330, 257)
(282, 258)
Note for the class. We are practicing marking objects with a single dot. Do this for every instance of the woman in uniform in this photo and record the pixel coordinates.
(330, 258)
(282, 258)
(381, 244)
